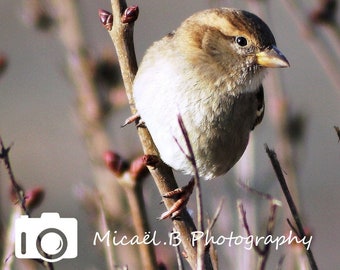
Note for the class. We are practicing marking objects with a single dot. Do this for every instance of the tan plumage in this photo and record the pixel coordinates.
(210, 71)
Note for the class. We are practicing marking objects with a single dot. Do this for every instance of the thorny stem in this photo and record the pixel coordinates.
(20, 193)
(122, 37)
(301, 233)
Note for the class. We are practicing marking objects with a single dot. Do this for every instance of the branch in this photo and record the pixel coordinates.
(263, 252)
(90, 110)
(301, 233)
(130, 176)
(122, 36)
(20, 194)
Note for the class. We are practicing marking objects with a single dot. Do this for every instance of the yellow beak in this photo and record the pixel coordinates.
(272, 58)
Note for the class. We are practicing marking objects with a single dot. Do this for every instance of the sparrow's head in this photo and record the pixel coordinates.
(237, 41)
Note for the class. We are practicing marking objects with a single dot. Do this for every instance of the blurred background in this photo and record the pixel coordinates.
(39, 115)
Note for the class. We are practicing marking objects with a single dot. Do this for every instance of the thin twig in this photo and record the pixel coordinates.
(134, 193)
(20, 193)
(103, 226)
(243, 216)
(211, 224)
(214, 219)
(257, 192)
(301, 233)
(265, 250)
(293, 228)
(274, 203)
(199, 202)
(179, 256)
(269, 231)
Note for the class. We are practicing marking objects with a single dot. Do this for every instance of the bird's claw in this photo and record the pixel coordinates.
(182, 195)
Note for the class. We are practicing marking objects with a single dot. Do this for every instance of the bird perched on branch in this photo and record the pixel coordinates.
(209, 71)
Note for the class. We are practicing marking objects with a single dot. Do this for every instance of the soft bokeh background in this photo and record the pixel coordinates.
(37, 114)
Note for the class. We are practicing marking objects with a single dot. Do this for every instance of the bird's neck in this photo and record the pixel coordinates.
(249, 81)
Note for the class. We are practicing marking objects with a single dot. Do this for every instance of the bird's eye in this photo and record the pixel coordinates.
(241, 41)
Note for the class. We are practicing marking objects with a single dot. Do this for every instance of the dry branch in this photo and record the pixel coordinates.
(20, 197)
(299, 227)
(122, 37)
(90, 111)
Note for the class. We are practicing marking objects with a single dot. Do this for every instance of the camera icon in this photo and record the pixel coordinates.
(49, 237)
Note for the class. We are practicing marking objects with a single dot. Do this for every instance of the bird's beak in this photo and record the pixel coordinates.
(272, 58)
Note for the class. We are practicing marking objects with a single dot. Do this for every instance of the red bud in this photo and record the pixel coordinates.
(130, 14)
(115, 163)
(106, 18)
(3, 63)
(138, 170)
(150, 160)
(34, 197)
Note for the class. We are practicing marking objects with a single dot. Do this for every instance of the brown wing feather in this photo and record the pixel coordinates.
(260, 106)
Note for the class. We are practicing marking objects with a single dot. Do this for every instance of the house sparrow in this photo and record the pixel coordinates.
(209, 71)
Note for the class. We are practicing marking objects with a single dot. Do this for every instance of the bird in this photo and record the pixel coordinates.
(208, 71)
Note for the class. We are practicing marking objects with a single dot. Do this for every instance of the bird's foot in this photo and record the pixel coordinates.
(182, 195)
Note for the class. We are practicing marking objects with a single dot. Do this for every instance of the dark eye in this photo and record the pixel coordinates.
(241, 41)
